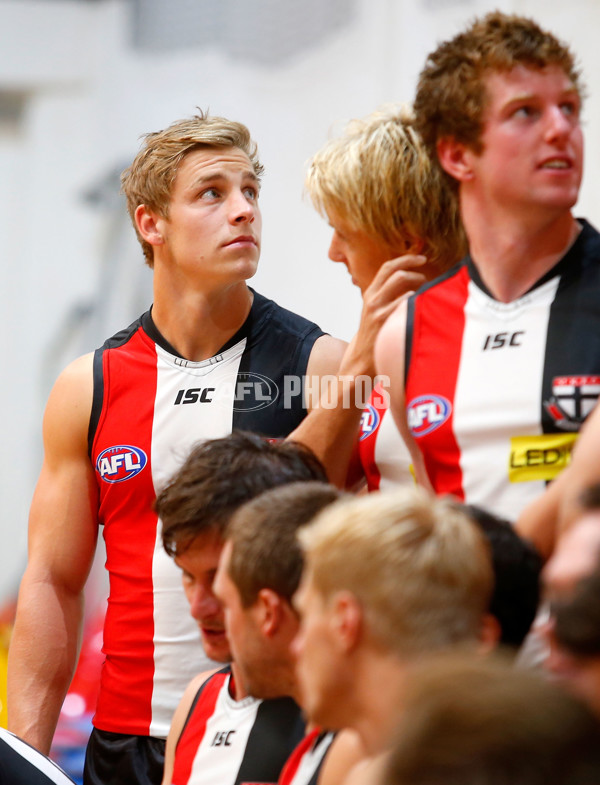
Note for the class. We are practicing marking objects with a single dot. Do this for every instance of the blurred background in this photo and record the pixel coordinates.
(82, 80)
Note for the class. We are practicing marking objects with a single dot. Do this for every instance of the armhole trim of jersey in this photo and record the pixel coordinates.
(201, 688)
(410, 317)
(97, 398)
(306, 346)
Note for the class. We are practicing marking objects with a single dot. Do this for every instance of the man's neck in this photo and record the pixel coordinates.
(382, 689)
(511, 251)
(198, 323)
(236, 684)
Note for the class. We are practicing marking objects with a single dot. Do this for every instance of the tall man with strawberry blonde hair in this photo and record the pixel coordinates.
(494, 366)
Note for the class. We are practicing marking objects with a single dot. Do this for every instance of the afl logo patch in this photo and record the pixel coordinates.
(119, 463)
(369, 422)
(426, 413)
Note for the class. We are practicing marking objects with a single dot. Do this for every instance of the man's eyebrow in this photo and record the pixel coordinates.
(220, 176)
(568, 92)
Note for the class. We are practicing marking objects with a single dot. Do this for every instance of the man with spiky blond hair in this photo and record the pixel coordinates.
(395, 225)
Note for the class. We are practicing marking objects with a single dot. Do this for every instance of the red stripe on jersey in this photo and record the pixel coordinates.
(293, 762)
(195, 728)
(124, 705)
(438, 328)
(369, 429)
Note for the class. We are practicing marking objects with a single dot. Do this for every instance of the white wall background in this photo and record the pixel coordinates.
(71, 270)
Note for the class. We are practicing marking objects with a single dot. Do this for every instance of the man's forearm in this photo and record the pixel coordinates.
(42, 658)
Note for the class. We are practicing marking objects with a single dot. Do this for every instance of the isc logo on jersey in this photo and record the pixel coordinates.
(119, 463)
(369, 421)
(425, 413)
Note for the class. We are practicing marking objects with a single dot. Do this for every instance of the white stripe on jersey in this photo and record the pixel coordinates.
(176, 635)
(40, 762)
(312, 759)
(392, 456)
(497, 386)
(221, 751)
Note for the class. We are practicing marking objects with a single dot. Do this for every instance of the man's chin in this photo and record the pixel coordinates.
(216, 646)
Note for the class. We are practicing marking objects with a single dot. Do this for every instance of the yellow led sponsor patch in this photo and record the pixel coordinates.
(539, 457)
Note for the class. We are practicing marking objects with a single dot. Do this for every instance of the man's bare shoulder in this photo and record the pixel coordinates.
(70, 403)
(77, 377)
(346, 752)
(368, 771)
(326, 356)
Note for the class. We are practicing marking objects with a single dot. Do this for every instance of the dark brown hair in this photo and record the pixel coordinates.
(219, 475)
(265, 552)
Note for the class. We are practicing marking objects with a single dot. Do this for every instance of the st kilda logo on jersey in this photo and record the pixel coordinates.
(425, 413)
(121, 462)
(572, 399)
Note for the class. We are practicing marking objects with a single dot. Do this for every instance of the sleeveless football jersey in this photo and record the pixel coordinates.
(21, 764)
(304, 764)
(496, 392)
(383, 456)
(150, 407)
(233, 742)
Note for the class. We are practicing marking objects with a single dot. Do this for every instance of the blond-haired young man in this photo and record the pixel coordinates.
(119, 422)
(395, 226)
(388, 577)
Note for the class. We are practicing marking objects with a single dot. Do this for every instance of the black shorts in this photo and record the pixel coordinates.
(120, 759)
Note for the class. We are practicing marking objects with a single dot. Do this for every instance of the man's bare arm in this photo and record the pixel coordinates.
(390, 351)
(331, 427)
(559, 506)
(178, 721)
(63, 531)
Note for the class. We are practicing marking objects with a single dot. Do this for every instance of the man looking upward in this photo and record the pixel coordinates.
(494, 365)
(119, 423)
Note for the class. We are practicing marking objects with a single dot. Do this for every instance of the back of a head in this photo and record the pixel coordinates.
(265, 551)
(577, 618)
(379, 178)
(220, 475)
(478, 721)
(451, 96)
(419, 567)
(517, 567)
(149, 179)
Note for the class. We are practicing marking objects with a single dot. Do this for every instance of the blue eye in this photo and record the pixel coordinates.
(524, 111)
(570, 108)
(251, 193)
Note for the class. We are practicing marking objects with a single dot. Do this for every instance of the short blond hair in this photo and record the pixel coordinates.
(419, 567)
(149, 180)
(379, 178)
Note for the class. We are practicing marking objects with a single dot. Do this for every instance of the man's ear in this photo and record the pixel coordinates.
(346, 620)
(455, 158)
(489, 634)
(148, 224)
(269, 610)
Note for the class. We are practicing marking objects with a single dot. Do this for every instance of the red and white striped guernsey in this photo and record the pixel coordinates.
(235, 742)
(496, 392)
(304, 764)
(150, 406)
(383, 456)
